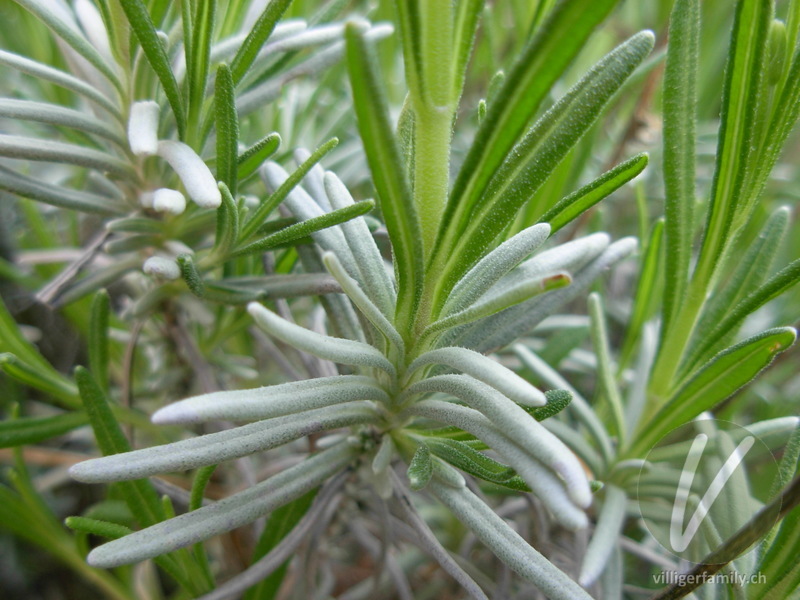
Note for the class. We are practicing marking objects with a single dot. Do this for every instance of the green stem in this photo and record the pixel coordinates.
(431, 169)
(434, 110)
(675, 341)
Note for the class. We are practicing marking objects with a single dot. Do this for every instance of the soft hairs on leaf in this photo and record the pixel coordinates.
(539, 477)
(483, 369)
(221, 446)
(507, 544)
(271, 401)
(227, 514)
(493, 266)
(505, 327)
(339, 350)
(523, 428)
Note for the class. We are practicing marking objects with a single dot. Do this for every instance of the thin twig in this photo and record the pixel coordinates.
(275, 353)
(430, 544)
(647, 554)
(179, 496)
(373, 547)
(50, 291)
(193, 357)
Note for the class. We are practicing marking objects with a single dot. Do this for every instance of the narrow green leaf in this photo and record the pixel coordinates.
(43, 378)
(384, 158)
(97, 527)
(17, 146)
(774, 287)
(32, 430)
(680, 100)
(12, 340)
(199, 484)
(304, 228)
(59, 78)
(279, 524)
(535, 157)
(110, 439)
(750, 271)
(420, 470)
(187, 20)
(740, 98)
(557, 400)
(191, 275)
(98, 339)
(54, 114)
(717, 380)
(202, 30)
(227, 222)
(249, 160)
(227, 124)
(140, 495)
(72, 36)
(785, 114)
(116, 511)
(466, 458)
(255, 39)
(294, 179)
(541, 63)
(28, 187)
(410, 42)
(145, 32)
(582, 200)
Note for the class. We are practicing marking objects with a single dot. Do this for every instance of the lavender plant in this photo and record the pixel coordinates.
(413, 328)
